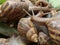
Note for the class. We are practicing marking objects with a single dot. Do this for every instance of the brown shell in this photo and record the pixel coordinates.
(27, 29)
(54, 29)
(42, 3)
(12, 10)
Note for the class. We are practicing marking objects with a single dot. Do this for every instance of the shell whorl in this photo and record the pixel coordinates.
(12, 10)
(27, 30)
(31, 35)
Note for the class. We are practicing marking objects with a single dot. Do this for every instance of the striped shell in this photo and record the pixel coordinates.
(54, 29)
(27, 30)
(12, 10)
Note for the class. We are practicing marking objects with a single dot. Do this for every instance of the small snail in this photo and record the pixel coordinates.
(43, 4)
(26, 29)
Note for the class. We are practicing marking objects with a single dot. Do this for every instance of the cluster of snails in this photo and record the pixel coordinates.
(40, 26)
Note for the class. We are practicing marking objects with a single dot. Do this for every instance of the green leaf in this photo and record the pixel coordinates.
(2, 1)
(8, 31)
(55, 3)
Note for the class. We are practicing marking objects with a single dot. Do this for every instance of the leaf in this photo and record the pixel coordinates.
(2, 1)
(55, 4)
(8, 31)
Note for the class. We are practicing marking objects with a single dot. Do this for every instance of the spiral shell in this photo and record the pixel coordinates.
(27, 29)
(54, 29)
(13, 10)
(42, 3)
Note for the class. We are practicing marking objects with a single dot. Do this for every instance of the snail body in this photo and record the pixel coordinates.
(53, 25)
(27, 29)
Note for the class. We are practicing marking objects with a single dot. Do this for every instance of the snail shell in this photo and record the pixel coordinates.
(42, 3)
(27, 29)
(54, 29)
(13, 10)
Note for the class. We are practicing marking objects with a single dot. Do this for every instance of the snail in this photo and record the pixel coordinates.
(26, 29)
(53, 25)
(44, 4)
(13, 10)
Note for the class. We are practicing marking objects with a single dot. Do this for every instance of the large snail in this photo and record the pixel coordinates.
(53, 25)
(13, 10)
